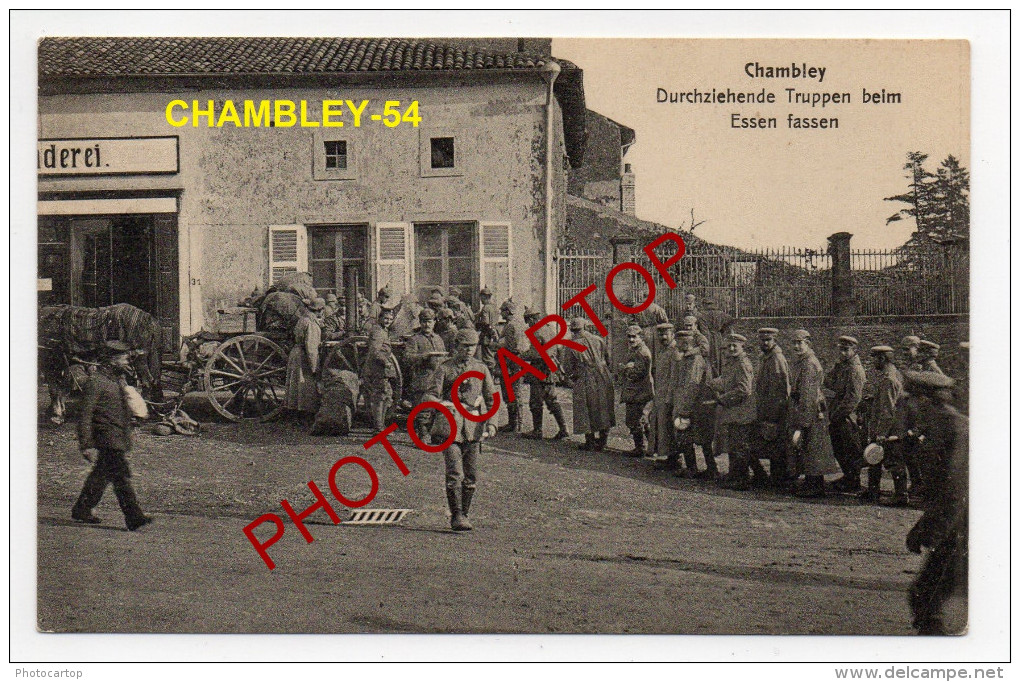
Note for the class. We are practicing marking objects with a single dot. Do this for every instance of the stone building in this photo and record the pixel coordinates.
(152, 191)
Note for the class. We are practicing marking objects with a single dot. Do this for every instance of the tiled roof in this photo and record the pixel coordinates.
(97, 56)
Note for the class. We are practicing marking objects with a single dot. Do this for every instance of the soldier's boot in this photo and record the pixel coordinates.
(871, 493)
(737, 478)
(638, 435)
(691, 462)
(457, 520)
(900, 497)
(465, 500)
(600, 441)
(536, 424)
(761, 477)
(916, 482)
(514, 416)
(589, 442)
(850, 483)
(814, 486)
(557, 413)
(711, 471)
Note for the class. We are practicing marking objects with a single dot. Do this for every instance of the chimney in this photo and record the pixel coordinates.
(628, 203)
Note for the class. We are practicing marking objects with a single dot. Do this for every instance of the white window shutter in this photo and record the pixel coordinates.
(496, 265)
(393, 248)
(288, 250)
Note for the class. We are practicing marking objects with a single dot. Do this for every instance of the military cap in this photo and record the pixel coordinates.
(801, 335)
(436, 354)
(847, 340)
(446, 313)
(436, 297)
(467, 337)
(316, 304)
(578, 323)
(331, 297)
(530, 312)
(386, 291)
(875, 350)
(664, 325)
(684, 333)
(930, 344)
(633, 330)
(688, 318)
(909, 341)
(510, 306)
(932, 381)
(485, 292)
(383, 309)
(768, 331)
(427, 314)
(114, 347)
(736, 338)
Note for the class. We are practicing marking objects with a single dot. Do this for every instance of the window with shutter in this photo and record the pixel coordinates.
(496, 260)
(288, 250)
(393, 256)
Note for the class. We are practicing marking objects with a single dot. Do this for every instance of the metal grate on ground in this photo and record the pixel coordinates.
(376, 517)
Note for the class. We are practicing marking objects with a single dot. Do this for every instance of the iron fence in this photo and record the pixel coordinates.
(783, 282)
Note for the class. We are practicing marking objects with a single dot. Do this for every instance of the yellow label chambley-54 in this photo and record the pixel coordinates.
(285, 113)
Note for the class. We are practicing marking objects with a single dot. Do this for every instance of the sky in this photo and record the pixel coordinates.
(779, 187)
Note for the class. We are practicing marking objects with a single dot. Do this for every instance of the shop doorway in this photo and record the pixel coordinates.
(96, 261)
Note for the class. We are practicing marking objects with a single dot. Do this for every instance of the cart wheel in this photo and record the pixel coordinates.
(246, 378)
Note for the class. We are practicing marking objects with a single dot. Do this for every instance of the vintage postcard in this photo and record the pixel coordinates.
(503, 335)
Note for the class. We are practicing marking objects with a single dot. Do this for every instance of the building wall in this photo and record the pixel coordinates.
(236, 182)
(598, 179)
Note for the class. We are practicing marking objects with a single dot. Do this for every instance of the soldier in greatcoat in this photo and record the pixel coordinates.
(716, 324)
(911, 359)
(665, 368)
(487, 317)
(886, 427)
(379, 370)
(846, 383)
(809, 423)
(700, 340)
(543, 393)
(594, 396)
(104, 438)
(514, 340)
(693, 392)
(476, 395)
(930, 356)
(420, 355)
(944, 526)
(734, 390)
(772, 398)
(648, 319)
(636, 387)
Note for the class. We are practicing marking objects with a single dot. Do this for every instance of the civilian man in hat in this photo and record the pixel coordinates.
(846, 382)
(636, 387)
(885, 427)
(700, 340)
(476, 395)
(104, 438)
(665, 370)
(543, 392)
(944, 525)
(691, 392)
(808, 419)
(772, 398)
(734, 390)
(417, 354)
(514, 340)
(930, 356)
(379, 370)
(594, 396)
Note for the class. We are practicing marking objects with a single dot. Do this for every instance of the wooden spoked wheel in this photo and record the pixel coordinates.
(246, 378)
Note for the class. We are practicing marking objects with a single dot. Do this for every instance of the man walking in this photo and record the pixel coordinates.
(104, 438)
(846, 382)
(772, 398)
(636, 387)
(808, 419)
(461, 458)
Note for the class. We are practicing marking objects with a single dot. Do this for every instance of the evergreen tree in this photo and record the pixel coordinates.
(938, 202)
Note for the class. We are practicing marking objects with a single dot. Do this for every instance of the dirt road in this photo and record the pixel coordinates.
(565, 541)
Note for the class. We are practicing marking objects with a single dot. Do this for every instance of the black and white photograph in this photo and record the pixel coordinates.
(522, 335)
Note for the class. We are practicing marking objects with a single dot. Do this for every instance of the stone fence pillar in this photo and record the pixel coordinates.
(842, 278)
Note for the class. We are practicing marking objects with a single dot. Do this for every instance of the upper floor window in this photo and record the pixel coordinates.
(336, 154)
(333, 156)
(442, 152)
